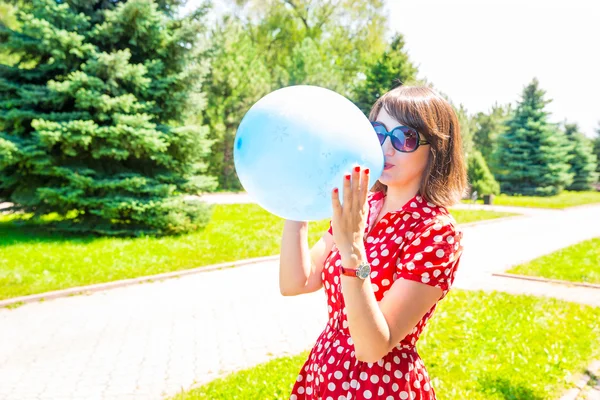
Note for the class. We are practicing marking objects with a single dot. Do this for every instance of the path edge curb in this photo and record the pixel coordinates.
(573, 393)
(546, 280)
(98, 287)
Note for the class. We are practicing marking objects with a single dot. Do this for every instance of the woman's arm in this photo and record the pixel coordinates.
(300, 267)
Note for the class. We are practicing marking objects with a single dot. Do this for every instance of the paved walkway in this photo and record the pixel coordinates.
(150, 340)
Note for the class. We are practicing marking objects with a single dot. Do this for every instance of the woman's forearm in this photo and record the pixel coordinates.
(367, 324)
(294, 262)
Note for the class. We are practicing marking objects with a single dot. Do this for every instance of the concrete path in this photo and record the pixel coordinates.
(150, 340)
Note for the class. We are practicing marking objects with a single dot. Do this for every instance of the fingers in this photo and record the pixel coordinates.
(364, 185)
(347, 206)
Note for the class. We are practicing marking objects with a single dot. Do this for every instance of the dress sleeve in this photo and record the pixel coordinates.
(432, 254)
(330, 230)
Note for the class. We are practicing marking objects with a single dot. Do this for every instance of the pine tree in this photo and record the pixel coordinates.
(390, 70)
(481, 179)
(94, 129)
(596, 147)
(488, 127)
(533, 154)
(583, 160)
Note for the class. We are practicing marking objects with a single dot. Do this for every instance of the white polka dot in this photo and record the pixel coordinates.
(293, 397)
(375, 262)
(436, 273)
(426, 386)
(309, 390)
(418, 256)
(301, 390)
(331, 360)
(416, 242)
(439, 253)
(380, 391)
(385, 282)
(425, 277)
(370, 239)
(403, 395)
(395, 387)
(385, 252)
(389, 398)
(330, 269)
(416, 215)
(417, 384)
(389, 229)
(374, 274)
(427, 209)
(450, 239)
(367, 394)
(375, 287)
(331, 386)
(374, 378)
(386, 379)
(388, 366)
(347, 364)
(353, 383)
(363, 376)
(437, 226)
(338, 374)
(345, 386)
(350, 341)
(309, 378)
(345, 324)
(428, 249)
(437, 238)
(342, 397)
(410, 265)
(373, 254)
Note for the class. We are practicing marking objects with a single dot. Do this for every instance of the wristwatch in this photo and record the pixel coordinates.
(363, 271)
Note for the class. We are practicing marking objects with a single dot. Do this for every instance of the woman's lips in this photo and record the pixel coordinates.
(387, 166)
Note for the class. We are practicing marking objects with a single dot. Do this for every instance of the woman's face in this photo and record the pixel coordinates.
(407, 168)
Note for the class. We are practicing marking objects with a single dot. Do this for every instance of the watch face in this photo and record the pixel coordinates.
(364, 270)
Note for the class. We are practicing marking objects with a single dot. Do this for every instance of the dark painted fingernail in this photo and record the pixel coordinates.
(357, 169)
(348, 177)
(335, 190)
(367, 171)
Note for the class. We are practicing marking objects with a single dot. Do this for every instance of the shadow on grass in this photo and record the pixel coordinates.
(505, 389)
(16, 232)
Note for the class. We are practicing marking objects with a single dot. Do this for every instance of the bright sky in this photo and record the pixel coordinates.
(480, 52)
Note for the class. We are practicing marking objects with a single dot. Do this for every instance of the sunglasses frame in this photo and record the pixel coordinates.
(389, 133)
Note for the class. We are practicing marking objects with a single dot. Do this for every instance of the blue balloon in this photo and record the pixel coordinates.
(296, 144)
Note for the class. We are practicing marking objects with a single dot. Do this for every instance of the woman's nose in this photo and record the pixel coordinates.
(387, 147)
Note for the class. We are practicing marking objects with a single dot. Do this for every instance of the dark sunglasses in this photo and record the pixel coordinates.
(403, 138)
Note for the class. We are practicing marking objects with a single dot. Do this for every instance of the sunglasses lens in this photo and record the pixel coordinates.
(405, 139)
(380, 131)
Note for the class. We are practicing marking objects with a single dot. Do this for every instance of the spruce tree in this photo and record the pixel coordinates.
(596, 146)
(481, 179)
(533, 154)
(390, 70)
(94, 128)
(583, 160)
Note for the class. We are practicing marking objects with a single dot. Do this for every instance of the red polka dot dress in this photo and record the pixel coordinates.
(421, 243)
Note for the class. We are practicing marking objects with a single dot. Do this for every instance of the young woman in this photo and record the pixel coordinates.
(389, 256)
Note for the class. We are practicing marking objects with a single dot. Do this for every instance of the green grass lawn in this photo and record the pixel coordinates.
(477, 346)
(36, 262)
(563, 200)
(577, 263)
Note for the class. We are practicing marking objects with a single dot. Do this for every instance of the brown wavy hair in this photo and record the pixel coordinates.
(444, 180)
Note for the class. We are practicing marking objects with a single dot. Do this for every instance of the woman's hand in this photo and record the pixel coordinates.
(350, 219)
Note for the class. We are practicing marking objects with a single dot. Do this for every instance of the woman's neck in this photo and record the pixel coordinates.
(398, 196)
